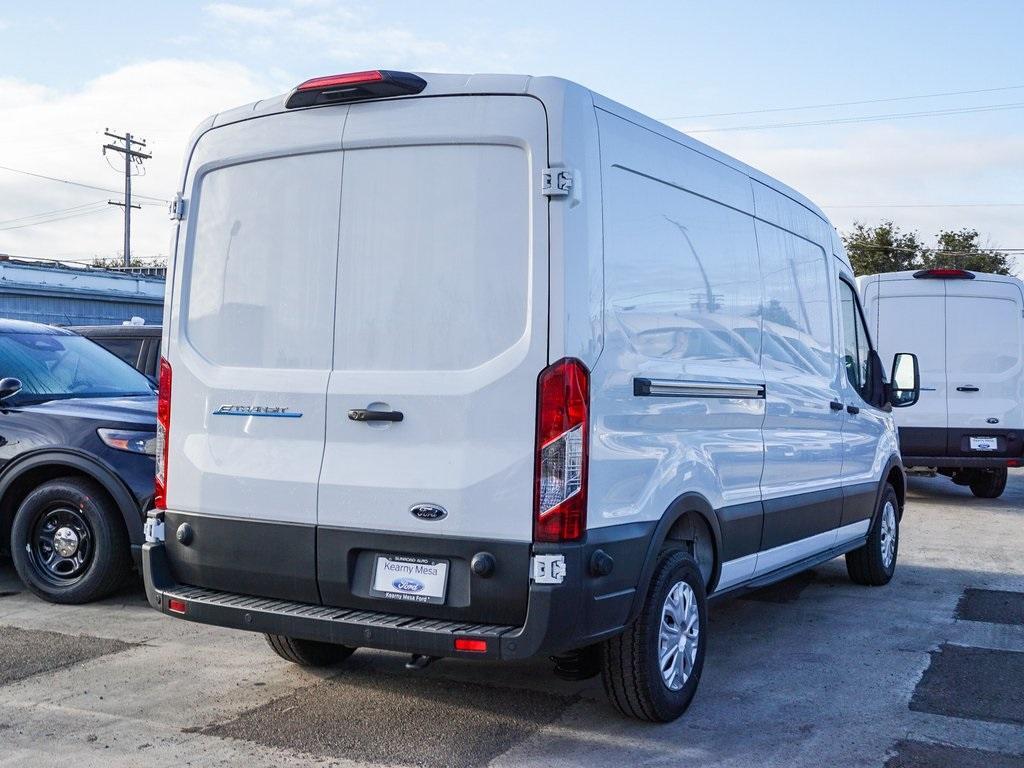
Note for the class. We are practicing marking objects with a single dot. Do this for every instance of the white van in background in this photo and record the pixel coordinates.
(967, 329)
(493, 367)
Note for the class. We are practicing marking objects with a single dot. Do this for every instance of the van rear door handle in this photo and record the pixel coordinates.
(967, 388)
(364, 414)
(835, 406)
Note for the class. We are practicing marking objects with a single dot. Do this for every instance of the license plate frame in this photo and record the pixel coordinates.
(408, 578)
(987, 444)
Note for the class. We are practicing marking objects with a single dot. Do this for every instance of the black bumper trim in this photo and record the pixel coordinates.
(356, 627)
(953, 462)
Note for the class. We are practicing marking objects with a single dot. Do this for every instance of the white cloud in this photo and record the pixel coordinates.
(896, 165)
(60, 133)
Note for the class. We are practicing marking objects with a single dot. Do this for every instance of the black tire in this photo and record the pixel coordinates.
(630, 663)
(102, 559)
(308, 653)
(989, 483)
(867, 565)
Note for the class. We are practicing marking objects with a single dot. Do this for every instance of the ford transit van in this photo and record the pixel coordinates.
(493, 367)
(967, 329)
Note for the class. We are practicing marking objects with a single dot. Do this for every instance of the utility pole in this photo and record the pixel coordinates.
(130, 156)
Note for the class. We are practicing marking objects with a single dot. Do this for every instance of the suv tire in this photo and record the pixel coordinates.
(874, 564)
(308, 653)
(68, 542)
(674, 618)
(988, 483)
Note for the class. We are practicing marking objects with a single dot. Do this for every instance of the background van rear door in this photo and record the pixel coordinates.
(983, 350)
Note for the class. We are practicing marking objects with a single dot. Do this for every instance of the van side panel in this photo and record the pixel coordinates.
(682, 311)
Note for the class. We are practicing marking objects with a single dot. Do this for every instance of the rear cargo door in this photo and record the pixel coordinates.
(983, 349)
(441, 317)
(250, 345)
(908, 315)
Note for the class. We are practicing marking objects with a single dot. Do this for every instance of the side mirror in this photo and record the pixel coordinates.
(9, 386)
(905, 386)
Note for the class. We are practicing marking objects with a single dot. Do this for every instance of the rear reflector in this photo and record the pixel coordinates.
(944, 273)
(354, 86)
(1013, 463)
(473, 646)
(176, 606)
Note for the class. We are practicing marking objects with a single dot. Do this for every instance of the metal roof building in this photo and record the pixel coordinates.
(58, 294)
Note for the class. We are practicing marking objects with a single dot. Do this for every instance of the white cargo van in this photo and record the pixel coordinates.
(493, 367)
(967, 329)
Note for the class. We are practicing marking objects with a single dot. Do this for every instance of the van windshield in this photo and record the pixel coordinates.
(52, 366)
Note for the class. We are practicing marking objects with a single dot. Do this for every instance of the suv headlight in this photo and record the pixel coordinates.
(125, 440)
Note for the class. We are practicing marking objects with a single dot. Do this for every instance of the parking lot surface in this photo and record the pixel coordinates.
(815, 671)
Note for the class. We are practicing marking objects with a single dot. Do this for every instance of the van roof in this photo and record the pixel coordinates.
(551, 90)
(909, 275)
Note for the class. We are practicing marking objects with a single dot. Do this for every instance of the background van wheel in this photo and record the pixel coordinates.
(874, 564)
(652, 669)
(308, 653)
(988, 483)
(68, 542)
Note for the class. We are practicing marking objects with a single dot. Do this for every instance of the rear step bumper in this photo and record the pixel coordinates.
(967, 462)
(550, 622)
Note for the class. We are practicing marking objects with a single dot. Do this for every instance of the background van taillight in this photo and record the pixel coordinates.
(163, 425)
(560, 495)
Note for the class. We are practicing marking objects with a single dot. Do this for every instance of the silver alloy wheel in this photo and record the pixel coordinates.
(679, 635)
(888, 534)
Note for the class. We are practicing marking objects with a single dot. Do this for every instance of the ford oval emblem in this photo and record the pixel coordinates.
(428, 512)
(405, 584)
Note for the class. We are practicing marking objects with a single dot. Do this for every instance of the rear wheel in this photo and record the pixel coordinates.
(989, 483)
(652, 669)
(68, 543)
(308, 653)
(874, 564)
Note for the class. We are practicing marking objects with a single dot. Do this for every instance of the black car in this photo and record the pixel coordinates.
(137, 345)
(77, 446)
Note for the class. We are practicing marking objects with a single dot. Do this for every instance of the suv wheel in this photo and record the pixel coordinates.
(68, 543)
(988, 483)
(874, 564)
(652, 669)
(308, 653)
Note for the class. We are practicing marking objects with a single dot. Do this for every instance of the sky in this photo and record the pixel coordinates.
(71, 69)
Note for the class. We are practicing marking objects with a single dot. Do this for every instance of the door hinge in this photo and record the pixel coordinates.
(548, 569)
(177, 207)
(556, 182)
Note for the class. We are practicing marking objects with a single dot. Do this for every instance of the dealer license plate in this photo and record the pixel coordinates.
(984, 444)
(413, 579)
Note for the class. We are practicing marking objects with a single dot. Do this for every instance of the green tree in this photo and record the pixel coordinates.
(961, 248)
(884, 248)
(887, 248)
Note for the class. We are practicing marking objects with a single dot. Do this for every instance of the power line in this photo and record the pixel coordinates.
(48, 213)
(55, 219)
(78, 183)
(926, 205)
(865, 118)
(938, 251)
(844, 103)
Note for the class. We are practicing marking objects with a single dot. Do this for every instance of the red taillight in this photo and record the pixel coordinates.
(1013, 463)
(944, 273)
(560, 475)
(163, 426)
(353, 86)
(174, 605)
(468, 644)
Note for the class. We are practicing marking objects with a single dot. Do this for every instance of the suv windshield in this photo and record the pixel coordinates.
(52, 366)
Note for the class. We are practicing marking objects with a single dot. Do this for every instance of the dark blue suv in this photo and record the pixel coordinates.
(77, 446)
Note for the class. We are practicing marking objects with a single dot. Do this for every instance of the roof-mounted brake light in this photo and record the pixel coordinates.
(944, 273)
(354, 86)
